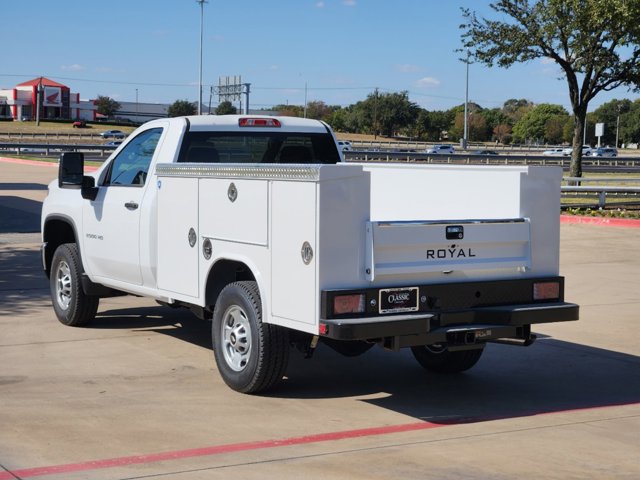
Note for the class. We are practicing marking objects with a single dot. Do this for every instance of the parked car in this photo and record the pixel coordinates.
(586, 150)
(112, 134)
(485, 152)
(114, 143)
(554, 152)
(604, 152)
(79, 124)
(441, 149)
(345, 145)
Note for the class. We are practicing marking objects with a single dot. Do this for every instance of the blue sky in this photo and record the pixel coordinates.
(341, 49)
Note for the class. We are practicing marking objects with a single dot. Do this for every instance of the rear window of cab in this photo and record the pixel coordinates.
(258, 147)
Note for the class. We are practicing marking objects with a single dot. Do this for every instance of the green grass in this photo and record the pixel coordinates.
(59, 127)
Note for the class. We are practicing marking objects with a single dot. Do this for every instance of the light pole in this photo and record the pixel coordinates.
(305, 99)
(136, 104)
(617, 125)
(201, 2)
(465, 137)
(38, 99)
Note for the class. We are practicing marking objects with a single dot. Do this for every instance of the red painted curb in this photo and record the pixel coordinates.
(264, 444)
(38, 163)
(214, 450)
(602, 221)
(22, 161)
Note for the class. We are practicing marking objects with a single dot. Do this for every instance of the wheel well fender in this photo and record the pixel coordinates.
(222, 273)
(56, 231)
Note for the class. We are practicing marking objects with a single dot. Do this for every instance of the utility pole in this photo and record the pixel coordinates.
(201, 2)
(136, 104)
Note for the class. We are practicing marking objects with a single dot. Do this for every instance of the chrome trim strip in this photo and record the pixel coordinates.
(450, 222)
(239, 170)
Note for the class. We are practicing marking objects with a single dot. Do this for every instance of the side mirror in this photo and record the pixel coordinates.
(71, 175)
(71, 170)
(89, 191)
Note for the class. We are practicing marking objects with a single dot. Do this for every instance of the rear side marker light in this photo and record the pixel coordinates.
(348, 304)
(546, 291)
(259, 122)
(324, 329)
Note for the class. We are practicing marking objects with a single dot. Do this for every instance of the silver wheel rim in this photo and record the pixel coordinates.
(236, 338)
(64, 286)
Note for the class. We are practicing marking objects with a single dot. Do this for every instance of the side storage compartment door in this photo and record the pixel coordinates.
(178, 238)
(234, 210)
(293, 226)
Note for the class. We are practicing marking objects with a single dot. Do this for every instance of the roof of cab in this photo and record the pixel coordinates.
(231, 122)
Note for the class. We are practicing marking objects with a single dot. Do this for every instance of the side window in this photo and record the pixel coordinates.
(131, 165)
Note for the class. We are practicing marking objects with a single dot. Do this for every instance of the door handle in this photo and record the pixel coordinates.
(131, 205)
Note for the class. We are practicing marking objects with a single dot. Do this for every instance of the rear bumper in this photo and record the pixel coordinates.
(461, 327)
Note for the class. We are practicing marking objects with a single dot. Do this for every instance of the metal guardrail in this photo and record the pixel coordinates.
(51, 149)
(470, 159)
(625, 195)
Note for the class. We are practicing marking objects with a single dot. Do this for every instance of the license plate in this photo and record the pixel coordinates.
(395, 300)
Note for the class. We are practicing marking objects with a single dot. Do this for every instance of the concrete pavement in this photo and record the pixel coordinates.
(137, 395)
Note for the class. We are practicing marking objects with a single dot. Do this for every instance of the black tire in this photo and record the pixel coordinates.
(72, 306)
(349, 348)
(437, 358)
(251, 356)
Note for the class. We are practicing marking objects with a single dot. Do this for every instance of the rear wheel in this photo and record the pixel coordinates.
(72, 306)
(251, 356)
(439, 359)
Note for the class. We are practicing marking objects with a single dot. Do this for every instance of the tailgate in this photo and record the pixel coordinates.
(401, 248)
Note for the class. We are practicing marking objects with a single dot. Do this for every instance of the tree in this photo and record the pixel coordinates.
(476, 125)
(289, 110)
(338, 119)
(385, 113)
(433, 125)
(181, 108)
(610, 113)
(226, 108)
(554, 128)
(495, 117)
(502, 133)
(106, 106)
(318, 110)
(595, 43)
(456, 127)
(630, 124)
(533, 126)
(515, 109)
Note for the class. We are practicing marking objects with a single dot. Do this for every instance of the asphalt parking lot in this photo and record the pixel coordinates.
(136, 395)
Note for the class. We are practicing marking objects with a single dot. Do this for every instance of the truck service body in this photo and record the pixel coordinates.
(257, 224)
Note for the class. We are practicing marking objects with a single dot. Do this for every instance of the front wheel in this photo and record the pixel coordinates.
(72, 306)
(439, 359)
(251, 356)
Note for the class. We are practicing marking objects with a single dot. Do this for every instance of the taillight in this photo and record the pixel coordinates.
(546, 291)
(353, 303)
(259, 122)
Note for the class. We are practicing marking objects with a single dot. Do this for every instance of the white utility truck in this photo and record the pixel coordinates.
(257, 224)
